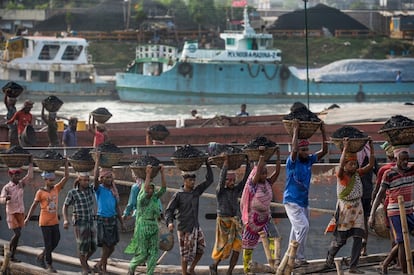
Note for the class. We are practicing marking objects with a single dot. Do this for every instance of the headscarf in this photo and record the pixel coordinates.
(350, 156)
(365, 152)
(303, 143)
(48, 175)
(83, 174)
(388, 148)
(246, 196)
(103, 172)
(14, 170)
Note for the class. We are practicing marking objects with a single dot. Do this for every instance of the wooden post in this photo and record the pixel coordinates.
(292, 255)
(404, 226)
(265, 242)
(6, 261)
(338, 265)
(162, 257)
(283, 263)
(278, 247)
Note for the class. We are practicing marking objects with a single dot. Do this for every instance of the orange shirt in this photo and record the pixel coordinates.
(49, 202)
(23, 119)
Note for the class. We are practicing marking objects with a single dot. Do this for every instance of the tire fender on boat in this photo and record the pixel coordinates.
(360, 97)
(185, 68)
(284, 72)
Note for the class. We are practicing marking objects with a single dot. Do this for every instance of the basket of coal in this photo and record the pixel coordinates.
(52, 103)
(12, 89)
(110, 154)
(101, 115)
(235, 155)
(158, 132)
(398, 130)
(82, 161)
(357, 139)
(309, 122)
(252, 148)
(139, 166)
(188, 158)
(16, 156)
(49, 161)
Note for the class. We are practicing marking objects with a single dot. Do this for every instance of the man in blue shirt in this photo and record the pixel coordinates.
(296, 194)
(69, 138)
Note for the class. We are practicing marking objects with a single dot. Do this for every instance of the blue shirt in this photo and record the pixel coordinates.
(106, 202)
(69, 137)
(298, 176)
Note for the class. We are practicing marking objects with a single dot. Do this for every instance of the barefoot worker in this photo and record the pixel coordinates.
(228, 224)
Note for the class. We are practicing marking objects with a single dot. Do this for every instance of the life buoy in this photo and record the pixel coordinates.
(185, 68)
(360, 97)
(284, 72)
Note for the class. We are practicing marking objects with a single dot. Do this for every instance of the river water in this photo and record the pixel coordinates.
(127, 112)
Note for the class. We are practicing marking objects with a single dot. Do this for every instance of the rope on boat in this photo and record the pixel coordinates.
(250, 70)
(274, 73)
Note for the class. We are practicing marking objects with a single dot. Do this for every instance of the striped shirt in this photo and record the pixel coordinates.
(399, 184)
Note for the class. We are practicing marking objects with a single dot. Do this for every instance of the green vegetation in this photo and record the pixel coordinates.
(115, 55)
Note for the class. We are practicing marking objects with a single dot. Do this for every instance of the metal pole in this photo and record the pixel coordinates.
(307, 51)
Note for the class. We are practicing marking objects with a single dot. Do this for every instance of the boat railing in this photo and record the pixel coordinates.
(155, 51)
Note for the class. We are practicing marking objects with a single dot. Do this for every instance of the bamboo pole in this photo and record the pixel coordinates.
(404, 226)
(282, 265)
(292, 255)
(265, 242)
(6, 261)
(338, 265)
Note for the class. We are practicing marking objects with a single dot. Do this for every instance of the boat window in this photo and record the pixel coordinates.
(41, 76)
(48, 52)
(230, 41)
(72, 52)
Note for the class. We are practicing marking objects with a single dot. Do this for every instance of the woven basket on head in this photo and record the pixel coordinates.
(399, 136)
(49, 164)
(159, 135)
(189, 164)
(254, 154)
(101, 118)
(15, 160)
(107, 159)
(82, 165)
(140, 171)
(354, 144)
(306, 128)
(235, 160)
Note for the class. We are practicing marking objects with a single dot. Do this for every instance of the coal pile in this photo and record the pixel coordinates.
(398, 121)
(12, 89)
(52, 103)
(158, 128)
(348, 131)
(259, 141)
(102, 111)
(215, 149)
(108, 147)
(51, 154)
(146, 160)
(17, 149)
(158, 132)
(188, 151)
(301, 112)
(82, 154)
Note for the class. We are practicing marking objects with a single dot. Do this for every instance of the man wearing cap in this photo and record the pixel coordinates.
(81, 197)
(12, 196)
(397, 181)
(108, 214)
(24, 118)
(48, 199)
(296, 194)
(228, 224)
(183, 206)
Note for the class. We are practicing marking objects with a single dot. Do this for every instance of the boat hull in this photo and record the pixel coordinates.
(234, 83)
(67, 91)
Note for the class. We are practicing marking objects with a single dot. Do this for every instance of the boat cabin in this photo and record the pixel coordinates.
(47, 59)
